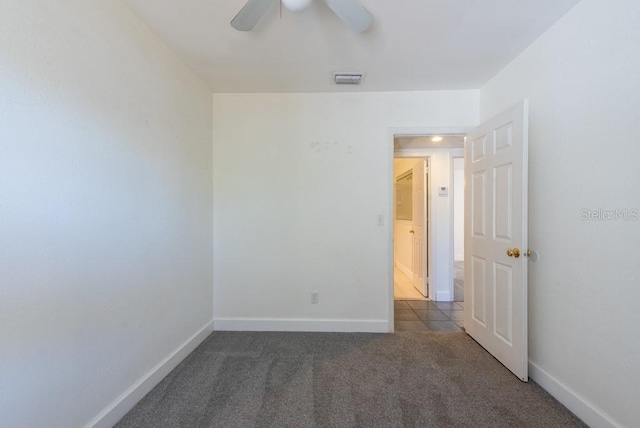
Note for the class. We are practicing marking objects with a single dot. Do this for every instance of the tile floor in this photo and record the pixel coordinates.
(417, 315)
(403, 287)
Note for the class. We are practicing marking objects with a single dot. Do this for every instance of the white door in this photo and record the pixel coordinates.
(418, 241)
(495, 279)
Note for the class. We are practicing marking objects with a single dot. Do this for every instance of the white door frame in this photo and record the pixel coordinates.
(394, 132)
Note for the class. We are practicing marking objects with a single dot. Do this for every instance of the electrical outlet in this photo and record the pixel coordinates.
(314, 297)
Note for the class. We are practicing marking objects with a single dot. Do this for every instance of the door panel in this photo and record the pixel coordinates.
(496, 226)
(502, 190)
(478, 301)
(478, 209)
(503, 286)
(479, 148)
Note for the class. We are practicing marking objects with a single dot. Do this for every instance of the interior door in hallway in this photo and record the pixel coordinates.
(495, 283)
(419, 227)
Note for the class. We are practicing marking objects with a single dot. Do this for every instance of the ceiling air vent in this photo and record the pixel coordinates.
(347, 78)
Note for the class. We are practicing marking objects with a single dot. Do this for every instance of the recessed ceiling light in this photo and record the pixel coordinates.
(436, 139)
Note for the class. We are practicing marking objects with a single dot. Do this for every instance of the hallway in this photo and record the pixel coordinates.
(411, 315)
(403, 288)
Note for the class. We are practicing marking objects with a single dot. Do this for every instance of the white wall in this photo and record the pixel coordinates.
(583, 80)
(105, 208)
(458, 208)
(299, 181)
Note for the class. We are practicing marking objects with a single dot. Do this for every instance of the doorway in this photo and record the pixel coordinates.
(496, 238)
(425, 160)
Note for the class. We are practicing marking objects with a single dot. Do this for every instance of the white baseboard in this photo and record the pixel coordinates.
(125, 402)
(443, 296)
(273, 324)
(582, 408)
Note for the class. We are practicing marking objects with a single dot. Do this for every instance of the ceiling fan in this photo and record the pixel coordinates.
(352, 13)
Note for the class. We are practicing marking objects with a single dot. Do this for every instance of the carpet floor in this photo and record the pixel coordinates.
(406, 379)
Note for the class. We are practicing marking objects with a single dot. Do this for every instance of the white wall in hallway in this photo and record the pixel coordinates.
(299, 183)
(583, 80)
(458, 209)
(105, 208)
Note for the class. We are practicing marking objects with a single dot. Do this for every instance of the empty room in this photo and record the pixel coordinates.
(202, 223)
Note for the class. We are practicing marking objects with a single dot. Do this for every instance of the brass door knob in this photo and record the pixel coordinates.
(513, 252)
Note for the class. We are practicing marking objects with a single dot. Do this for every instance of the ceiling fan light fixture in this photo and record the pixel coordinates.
(297, 5)
(351, 12)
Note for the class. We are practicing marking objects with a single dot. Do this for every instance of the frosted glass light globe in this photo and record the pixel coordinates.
(296, 5)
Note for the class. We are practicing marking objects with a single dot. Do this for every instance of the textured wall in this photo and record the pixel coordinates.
(583, 80)
(105, 208)
(300, 180)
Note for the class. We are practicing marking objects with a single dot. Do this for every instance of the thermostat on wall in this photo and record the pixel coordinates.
(443, 191)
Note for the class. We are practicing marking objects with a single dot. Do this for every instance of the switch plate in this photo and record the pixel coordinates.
(314, 297)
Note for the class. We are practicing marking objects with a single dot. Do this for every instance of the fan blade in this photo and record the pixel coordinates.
(251, 13)
(352, 13)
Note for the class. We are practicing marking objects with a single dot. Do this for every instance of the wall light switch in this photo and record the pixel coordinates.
(443, 191)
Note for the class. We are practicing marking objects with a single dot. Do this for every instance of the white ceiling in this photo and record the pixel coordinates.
(412, 44)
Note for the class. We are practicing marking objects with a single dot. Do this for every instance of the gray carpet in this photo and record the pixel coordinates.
(300, 380)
